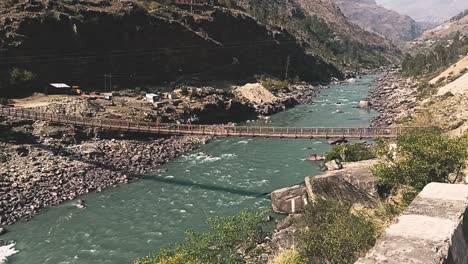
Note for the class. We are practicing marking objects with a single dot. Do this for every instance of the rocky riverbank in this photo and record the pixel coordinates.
(395, 97)
(49, 171)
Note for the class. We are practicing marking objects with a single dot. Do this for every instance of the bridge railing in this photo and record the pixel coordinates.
(217, 130)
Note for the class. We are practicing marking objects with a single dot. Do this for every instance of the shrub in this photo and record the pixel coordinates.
(332, 234)
(274, 85)
(289, 257)
(424, 157)
(351, 152)
(16, 81)
(228, 239)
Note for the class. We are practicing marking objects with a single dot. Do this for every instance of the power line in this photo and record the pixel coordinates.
(120, 53)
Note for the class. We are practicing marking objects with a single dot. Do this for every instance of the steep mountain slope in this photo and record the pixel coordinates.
(447, 106)
(321, 25)
(427, 10)
(367, 14)
(78, 42)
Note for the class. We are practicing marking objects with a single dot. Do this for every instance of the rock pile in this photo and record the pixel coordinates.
(394, 97)
(72, 106)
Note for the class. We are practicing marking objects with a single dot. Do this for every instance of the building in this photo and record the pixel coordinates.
(193, 2)
(152, 98)
(58, 88)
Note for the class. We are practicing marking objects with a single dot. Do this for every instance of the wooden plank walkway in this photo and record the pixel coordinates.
(209, 130)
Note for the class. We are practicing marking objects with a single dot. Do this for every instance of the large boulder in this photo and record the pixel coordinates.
(335, 187)
(364, 104)
(289, 200)
(354, 183)
(332, 165)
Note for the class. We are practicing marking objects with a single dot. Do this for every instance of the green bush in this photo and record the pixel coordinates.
(351, 152)
(423, 157)
(16, 81)
(274, 85)
(228, 239)
(332, 234)
(289, 257)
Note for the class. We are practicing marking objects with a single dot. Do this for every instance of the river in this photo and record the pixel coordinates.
(221, 178)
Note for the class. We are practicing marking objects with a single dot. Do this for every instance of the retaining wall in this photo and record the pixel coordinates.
(433, 229)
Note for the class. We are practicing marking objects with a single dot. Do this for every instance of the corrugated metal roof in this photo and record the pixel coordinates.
(60, 85)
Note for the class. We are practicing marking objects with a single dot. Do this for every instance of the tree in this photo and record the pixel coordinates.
(423, 157)
(16, 81)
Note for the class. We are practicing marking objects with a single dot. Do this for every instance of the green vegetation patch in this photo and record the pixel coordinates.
(227, 241)
(423, 157)
(439, 57)
(351, 152)
(16, 81)
(332, 234)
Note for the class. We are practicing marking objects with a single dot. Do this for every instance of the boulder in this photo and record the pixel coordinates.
(289, 200)
(91, 150)
(335, 187)
(332, 165)
(364, 104)
(3, 231)
(354, 182)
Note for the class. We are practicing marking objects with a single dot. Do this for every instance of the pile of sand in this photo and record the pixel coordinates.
(256, 93)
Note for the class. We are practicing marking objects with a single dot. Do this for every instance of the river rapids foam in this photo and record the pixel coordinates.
(6, 251)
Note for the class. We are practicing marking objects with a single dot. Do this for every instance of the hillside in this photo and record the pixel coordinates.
(326, 31)
(427, 10)
(81, 41)
(447, 30)
(150, 41)
(373, 17)
(438, 48)
(447, 107)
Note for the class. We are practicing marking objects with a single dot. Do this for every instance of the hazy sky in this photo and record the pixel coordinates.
(427, 10)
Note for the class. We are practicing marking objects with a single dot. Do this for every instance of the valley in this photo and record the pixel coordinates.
(72, 193)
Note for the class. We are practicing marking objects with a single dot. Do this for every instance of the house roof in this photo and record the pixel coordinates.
(59, 85)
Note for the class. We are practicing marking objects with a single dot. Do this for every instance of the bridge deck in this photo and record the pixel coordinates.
(209, 130)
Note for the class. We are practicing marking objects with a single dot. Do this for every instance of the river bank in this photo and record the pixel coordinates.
(394, 97)
(43, 164)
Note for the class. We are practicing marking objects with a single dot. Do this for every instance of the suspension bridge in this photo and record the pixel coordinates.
(209, 130)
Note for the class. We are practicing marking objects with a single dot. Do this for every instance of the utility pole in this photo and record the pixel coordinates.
(110, 82)
(108, 75)
(288, 61)
(191, 6)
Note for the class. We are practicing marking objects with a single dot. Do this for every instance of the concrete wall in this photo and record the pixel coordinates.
(433, 229)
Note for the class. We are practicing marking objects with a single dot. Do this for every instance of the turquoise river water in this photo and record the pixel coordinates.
(221, 178)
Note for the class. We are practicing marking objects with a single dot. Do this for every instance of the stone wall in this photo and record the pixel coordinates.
(433, 229)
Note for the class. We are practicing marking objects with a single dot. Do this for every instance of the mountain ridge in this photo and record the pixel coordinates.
(426, 10)
(368, 14)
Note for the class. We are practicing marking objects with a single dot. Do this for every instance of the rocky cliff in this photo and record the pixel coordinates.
(373, 17)
(79, 41)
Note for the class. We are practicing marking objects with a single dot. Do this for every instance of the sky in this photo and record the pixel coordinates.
(427, 10)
